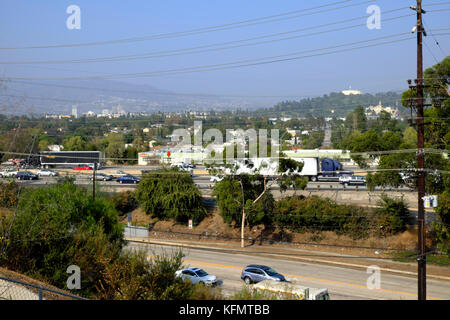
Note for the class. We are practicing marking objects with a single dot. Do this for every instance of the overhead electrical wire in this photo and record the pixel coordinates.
(385, 152)
(234, 25)
(185, 51)
(435, 40)
(237, 64)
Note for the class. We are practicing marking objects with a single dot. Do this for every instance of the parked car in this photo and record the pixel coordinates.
(83, 167)
(255, 273)
(352, 180)
(101, 176)
(8, 173)
(128, 179)
(47, 173)
(26, 175)
(197, 275)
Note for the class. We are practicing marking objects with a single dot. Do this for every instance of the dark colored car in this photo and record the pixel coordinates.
(255, 273)
(128, 179)
(26, 175)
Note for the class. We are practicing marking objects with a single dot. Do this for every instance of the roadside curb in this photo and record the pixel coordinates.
(180, 244)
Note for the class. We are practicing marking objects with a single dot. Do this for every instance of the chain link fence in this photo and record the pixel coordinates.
(12, 289)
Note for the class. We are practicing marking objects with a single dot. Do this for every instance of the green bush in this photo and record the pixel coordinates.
(229, 194)
(392, 215)
(9, 194)
(318, 214)
(170, 194)
(125, 202)
(442, 225)
(55, 223)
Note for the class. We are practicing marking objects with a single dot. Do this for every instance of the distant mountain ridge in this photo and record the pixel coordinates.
(42, 97)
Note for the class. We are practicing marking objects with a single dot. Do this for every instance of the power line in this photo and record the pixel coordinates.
(177, 52)
(436, 41)
(437, 151)
(239, 24)
(239, 64)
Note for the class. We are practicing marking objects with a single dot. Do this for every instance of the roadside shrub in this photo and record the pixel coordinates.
(442, 225)
(125, 202)
(170, 194)
(52, 224)
(321, 214)
(9, 194)
(134, 277)
(391, 216)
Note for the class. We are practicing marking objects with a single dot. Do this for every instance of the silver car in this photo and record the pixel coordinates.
(349, 180)
(47, 173)
(197, 275)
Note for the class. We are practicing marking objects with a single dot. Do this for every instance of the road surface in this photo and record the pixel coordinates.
(342, 283)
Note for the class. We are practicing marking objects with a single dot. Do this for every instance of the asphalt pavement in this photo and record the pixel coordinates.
(342, 283)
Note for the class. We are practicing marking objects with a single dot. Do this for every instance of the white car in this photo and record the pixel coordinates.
(8, 173)
(197, 275)
(46, 173)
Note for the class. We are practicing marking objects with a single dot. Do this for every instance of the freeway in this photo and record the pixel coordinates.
(203, 181)
(342, 283)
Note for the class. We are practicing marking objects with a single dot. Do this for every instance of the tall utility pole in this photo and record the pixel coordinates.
(93, 180)
(421, 272)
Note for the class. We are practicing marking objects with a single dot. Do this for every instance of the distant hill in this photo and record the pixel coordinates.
(40, 97)
(338, 102)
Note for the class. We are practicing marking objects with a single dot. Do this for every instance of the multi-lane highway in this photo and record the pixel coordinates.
(201, 178)
(342, 283)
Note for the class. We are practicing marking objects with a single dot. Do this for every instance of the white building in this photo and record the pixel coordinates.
(74, 112)
(350, 91)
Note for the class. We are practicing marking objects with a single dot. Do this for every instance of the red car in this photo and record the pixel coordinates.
(82, 167)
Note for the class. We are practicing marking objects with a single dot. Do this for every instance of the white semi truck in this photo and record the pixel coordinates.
(291, 290)
(314, 168)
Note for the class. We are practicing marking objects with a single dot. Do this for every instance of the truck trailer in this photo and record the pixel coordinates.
(291, 290)
(51, 159)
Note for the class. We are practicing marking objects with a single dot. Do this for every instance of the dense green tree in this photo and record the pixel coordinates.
(234, 191)
(74, 144)
(170, 194)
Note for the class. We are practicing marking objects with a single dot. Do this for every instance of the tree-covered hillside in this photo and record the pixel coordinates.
(340, 103)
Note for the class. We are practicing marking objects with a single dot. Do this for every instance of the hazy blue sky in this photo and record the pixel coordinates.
(30, 23)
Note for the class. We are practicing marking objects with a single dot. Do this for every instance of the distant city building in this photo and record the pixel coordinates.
(58, 116)
(74, 112)
(375, 111)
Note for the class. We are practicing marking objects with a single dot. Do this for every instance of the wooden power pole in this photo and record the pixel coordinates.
(421, 272)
